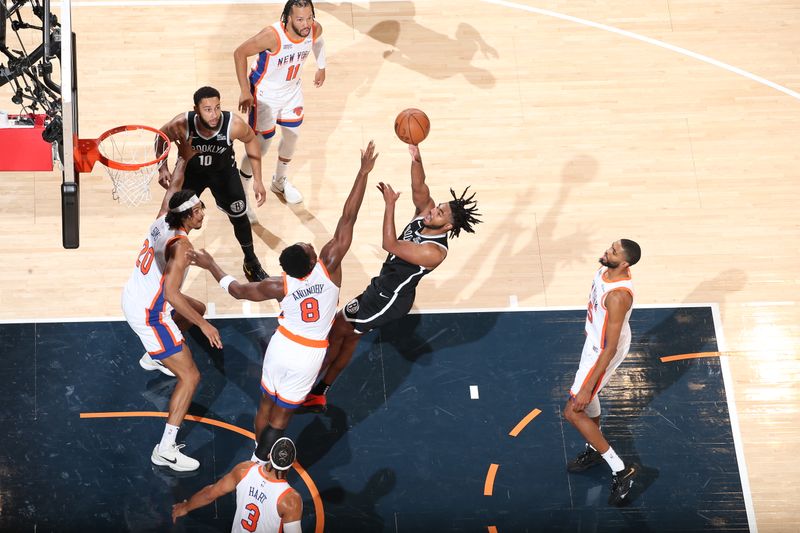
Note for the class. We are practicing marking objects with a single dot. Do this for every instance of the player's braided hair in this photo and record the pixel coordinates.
(465, 213)
(292, 3)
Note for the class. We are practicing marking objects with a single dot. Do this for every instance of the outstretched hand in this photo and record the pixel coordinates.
(368, 157)
(200, 258)
(389, 195)
(178, 510)
(185, 149)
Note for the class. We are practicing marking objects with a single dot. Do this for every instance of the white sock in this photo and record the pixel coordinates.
(613, 460)
(168, 438)
(281, 169)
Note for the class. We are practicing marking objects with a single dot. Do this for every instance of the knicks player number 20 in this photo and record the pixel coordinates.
(310, 310)
(146, 257)
(251, 521)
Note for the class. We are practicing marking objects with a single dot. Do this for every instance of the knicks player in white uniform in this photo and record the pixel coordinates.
(308, 292)
(608, 339)
(272, 92)
(158, 312)
(265, 503)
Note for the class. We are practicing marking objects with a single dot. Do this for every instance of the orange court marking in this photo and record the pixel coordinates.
(524, 422)
(312, 488)
(488, 486)
(697, 355)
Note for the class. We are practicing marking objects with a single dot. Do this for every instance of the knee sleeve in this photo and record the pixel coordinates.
(593, 408)
(288, 142)
(242, 230)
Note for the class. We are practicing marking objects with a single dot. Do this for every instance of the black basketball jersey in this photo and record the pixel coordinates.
(215, 153)
(398, 275)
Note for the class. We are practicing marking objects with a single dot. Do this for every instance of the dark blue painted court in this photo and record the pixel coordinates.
(402, 448)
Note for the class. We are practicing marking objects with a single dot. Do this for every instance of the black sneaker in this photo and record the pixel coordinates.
(585, 460)
(254, 272)
(621, 484)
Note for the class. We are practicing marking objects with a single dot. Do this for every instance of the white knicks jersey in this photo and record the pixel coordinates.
(257, 503)
(146, 284)
(597, 315)
(309, 307)
(278, 72)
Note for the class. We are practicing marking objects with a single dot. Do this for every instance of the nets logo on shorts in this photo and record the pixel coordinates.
(352, 307)
(237, 206)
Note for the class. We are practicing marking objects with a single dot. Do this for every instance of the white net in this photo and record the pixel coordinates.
(134, 146)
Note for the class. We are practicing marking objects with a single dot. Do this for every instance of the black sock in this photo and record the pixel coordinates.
(320, 388)
(268, 437)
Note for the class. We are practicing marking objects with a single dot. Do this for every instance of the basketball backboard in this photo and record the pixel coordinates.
(70, 192)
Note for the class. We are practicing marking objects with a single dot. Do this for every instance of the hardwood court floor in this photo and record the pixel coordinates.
(573, 136)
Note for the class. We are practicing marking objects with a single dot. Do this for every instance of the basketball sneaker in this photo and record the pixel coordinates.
(621, 483)
(174, 459)
(315, 403)
(148, 363)
(585, 460)
(253, 271)
(287, 190)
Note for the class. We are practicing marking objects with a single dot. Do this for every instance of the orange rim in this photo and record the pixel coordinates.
(90, 148)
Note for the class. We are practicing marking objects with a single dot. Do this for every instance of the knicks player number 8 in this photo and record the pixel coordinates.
(205, 160)
(310, 310)
(146, 257)
(251, 522)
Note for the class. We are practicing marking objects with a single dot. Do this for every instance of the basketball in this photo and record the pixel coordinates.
(412, 126)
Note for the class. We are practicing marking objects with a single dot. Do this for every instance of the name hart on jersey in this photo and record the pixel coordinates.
(298, 57)
(299, 294)
(257, 494)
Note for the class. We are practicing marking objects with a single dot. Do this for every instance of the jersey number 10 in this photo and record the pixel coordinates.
(205, 160)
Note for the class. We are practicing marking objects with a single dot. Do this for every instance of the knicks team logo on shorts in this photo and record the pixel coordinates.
(298, 111)
(237, 206)
(352, 307)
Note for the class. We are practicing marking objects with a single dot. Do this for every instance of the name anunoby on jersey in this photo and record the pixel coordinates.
(299, 294)
(293, 58)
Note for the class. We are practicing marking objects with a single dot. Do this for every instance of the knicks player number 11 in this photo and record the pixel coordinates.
(294, 70)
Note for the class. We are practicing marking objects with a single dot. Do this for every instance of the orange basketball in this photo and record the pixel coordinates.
(412, 126)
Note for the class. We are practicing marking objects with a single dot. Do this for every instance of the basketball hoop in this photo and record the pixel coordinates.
(126, 152)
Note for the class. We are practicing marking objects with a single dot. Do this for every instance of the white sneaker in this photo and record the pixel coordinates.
(174, 459)
(284, 187)
(148, 363)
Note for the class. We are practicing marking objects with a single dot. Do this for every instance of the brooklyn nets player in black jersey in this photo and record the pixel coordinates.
(212, 132)
(421, 247)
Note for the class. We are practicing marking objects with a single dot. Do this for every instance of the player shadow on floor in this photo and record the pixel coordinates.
(384, 359)
(321, 440)
(410, 43)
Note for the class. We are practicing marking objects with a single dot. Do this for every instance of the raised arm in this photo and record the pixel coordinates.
(420, 194)
(210, 493)
(174, 129)
(259, 291)
(266, 39)
(185, 153)
(428, 255)
(334, 251)
(242, 131)
(177, 263)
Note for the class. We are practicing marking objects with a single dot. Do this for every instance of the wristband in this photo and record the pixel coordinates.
(226, 281)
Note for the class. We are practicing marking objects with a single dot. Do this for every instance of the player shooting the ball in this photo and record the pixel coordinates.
(420, 248)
